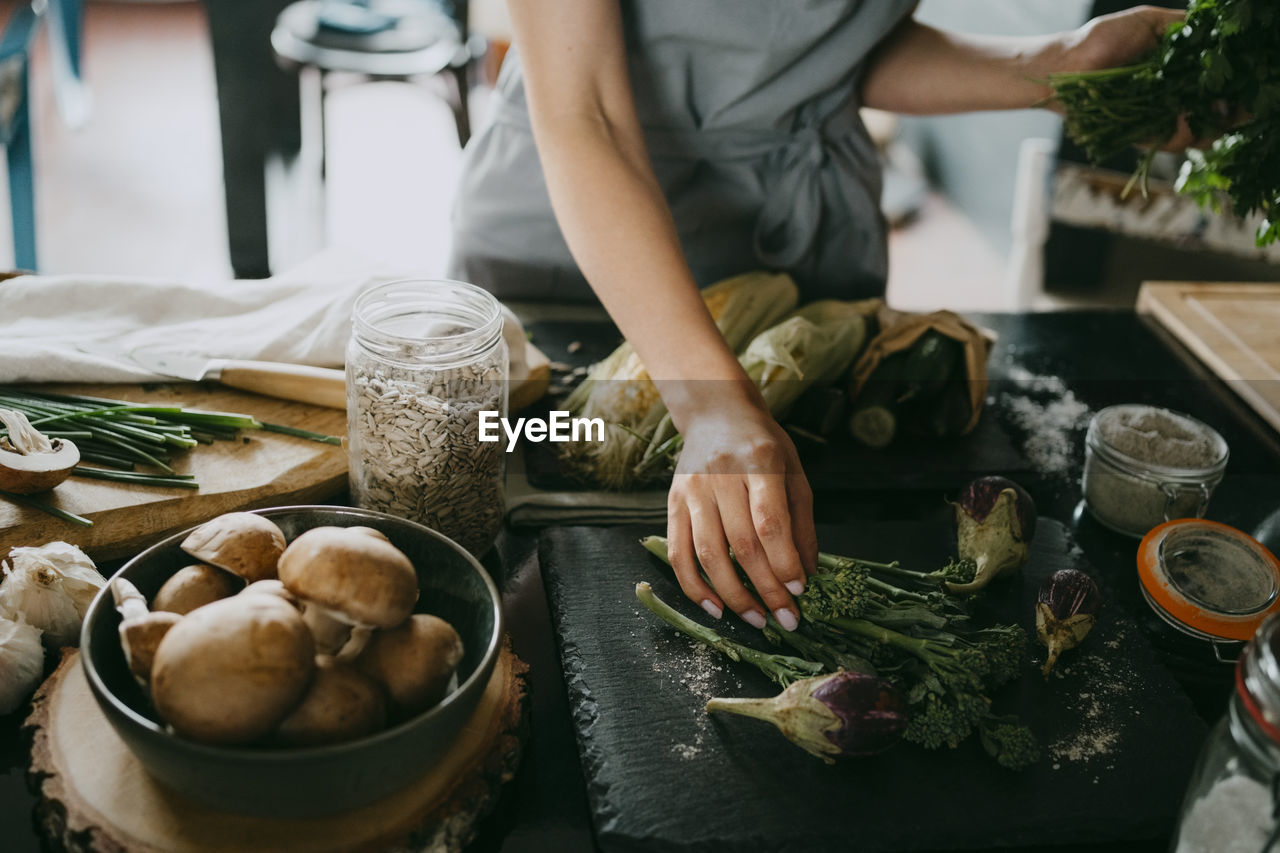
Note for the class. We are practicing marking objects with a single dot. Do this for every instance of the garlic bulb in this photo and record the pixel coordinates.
(50, 587)
(21, 663)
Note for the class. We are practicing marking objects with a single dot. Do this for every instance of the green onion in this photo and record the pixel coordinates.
(124, 435)
(180, 481)
(27, 500)
(301, 433)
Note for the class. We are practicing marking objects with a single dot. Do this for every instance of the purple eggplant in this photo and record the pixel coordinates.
(995, 520)
(1066, 610)
(843, 714)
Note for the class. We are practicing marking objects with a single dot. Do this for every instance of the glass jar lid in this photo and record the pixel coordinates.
(1208, 579)
(1158, 444)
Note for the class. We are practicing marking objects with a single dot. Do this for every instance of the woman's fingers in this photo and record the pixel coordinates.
(736, 513)
(771, 518)
(803, 532)
(683, 560)
(712, 552)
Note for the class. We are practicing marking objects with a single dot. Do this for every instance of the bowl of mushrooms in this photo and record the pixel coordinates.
(293, 661)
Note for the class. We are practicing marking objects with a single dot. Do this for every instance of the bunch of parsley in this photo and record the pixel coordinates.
(1220, 69)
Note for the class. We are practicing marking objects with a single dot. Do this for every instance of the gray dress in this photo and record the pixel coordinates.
(750, 114)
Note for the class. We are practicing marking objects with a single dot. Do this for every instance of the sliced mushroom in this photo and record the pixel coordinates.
(194, 586)
(414, 662)
(341, 704)
(30, 461)
(140, 629)
(244, 543)
(344, 575)
(229, 672)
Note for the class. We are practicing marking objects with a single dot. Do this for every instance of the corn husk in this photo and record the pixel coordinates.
(618, 389)
(816, 344)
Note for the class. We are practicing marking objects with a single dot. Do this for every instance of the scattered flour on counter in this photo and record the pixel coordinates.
(702, 672)
(1051, 418)
(1099, 711)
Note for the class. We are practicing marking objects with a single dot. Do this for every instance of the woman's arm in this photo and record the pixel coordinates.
(921, 70)
(738, 483)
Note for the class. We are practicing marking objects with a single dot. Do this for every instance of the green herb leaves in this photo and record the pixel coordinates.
(1220, 70)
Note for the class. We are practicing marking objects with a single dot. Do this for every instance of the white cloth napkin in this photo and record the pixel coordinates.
(76, 328)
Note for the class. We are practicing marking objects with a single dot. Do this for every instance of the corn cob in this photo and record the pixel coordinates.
(618, 389)
(814, 345)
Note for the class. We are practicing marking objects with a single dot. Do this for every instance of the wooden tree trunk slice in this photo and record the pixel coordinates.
(96, 797)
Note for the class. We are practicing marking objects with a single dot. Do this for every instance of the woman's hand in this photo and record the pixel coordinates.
(923, 70)
(739, 485)
(1118, 39)
(1121, 38)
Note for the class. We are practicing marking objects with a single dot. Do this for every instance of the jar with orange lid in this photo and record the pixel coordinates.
(1209, 580)
(1231, 801)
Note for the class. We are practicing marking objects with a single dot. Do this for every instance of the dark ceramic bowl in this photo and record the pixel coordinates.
(308, 781)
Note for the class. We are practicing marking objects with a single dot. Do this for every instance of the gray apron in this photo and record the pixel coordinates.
(750, 114)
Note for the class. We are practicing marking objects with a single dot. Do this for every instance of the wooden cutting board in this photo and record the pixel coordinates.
(96, 797)
(256, 470)
(1233, 328)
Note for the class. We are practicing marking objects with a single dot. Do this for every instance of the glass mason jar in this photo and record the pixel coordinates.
(1231, 799)
(425, 358)
(1132, 496)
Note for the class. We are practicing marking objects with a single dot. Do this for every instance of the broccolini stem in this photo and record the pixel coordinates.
(781, 669)
(835, 562)
(807, 647)
(877, 633)
(657, 546)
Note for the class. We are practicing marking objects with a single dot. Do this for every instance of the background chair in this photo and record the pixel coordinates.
(16, 41)
(399, 40)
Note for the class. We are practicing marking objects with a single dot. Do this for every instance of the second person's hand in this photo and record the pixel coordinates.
(739, 485)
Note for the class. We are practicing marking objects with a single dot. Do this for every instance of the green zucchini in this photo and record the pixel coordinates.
(932, 360)
(873, 419)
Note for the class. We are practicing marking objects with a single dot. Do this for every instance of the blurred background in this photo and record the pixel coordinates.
(191, 150)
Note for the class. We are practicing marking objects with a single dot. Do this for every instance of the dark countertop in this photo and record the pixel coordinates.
(1103, 358)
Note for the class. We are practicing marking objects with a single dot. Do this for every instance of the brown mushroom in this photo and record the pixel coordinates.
(244, 543)
(140, 629)
(414, 662)
(270, 586)
(230, 671)
(344, 575)
(30, 461)
(194, 586)
(341, 704)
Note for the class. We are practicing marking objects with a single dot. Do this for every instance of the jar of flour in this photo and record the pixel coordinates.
(1145, 465)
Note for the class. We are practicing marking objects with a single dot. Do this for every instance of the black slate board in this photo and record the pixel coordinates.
(662, 775)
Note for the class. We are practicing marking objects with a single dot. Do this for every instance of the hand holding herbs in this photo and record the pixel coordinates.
(884, 620)
(1219, 72)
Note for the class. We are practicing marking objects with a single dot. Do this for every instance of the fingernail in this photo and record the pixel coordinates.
(754, 619)
(795, 587)
(710, 607)
(786, 618)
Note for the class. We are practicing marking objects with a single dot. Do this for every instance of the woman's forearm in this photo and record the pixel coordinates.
(607, 200)
(920, 70)
(626, 245)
